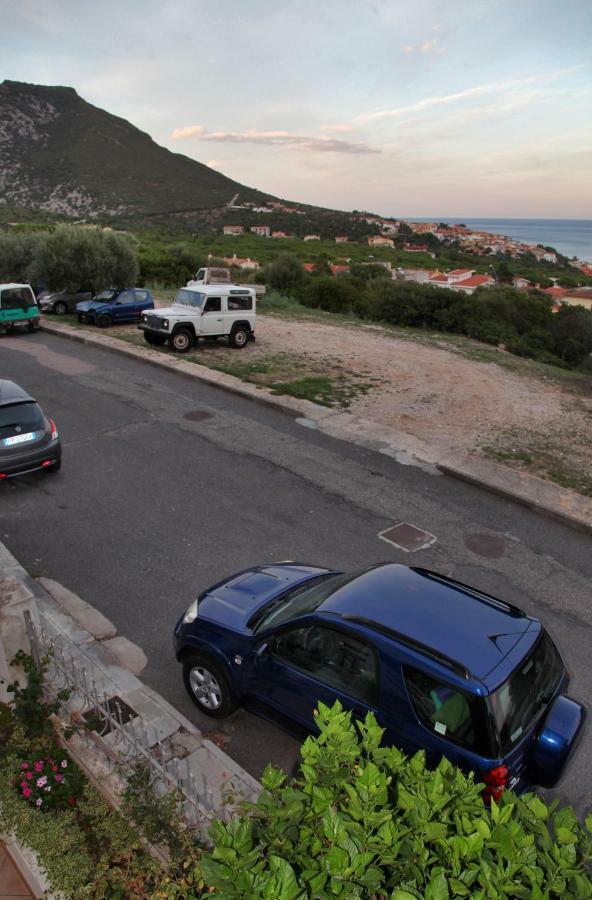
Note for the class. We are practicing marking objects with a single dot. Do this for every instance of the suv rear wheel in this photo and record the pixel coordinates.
(239, 336)
(208, 686)
(181, 341)
(104, 321)
(60, 308)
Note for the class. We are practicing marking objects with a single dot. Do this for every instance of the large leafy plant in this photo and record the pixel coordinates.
(363, 820)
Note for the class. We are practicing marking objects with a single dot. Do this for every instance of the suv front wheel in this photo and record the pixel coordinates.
(181, 340)
(208, 686)
(239, 336)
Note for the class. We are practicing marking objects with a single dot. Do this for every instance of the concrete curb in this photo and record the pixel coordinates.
(544, 497)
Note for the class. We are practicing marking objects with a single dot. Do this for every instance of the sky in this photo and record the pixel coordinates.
(451, 108)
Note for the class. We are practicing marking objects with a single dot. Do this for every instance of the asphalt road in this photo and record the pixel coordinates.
(151, 507)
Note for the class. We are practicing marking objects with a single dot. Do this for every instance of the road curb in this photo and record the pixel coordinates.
(542, 496)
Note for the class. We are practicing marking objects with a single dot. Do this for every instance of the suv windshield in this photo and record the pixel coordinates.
(20, 419)
(190, 298)
(518, 702)
(299, 600)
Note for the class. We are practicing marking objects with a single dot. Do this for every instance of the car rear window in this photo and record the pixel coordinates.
(452, 714)
(518, 702)
(17, 298)
(20, 418)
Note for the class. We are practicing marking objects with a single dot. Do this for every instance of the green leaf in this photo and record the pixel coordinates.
(437, 889)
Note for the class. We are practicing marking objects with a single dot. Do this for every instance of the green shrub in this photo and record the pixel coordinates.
(337, 295)
(363, 820)
(285, 273)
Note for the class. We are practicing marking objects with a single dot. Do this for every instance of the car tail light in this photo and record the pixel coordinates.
(54, 432)
(496, 781)
(2, 475)
(47, 463)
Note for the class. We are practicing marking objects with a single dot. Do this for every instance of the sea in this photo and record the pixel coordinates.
(571, 237)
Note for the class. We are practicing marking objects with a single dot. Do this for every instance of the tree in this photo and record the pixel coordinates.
(572, 332)
(74, 257)
(17, 254)
(285, 273)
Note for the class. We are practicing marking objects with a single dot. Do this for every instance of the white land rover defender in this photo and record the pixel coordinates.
(203, 311)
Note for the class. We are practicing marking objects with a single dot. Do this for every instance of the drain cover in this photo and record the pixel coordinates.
(407, 537)
(492, 546)
(197, 415)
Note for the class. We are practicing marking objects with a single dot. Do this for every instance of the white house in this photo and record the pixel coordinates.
(233, 229)
(261, 230)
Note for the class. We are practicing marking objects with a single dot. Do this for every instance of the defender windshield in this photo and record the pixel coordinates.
(299, 600)
(519, 701)
(190, 298)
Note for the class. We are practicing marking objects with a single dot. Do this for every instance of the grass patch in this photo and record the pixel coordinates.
(545, 455)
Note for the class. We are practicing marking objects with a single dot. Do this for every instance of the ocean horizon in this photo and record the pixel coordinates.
(571, 237)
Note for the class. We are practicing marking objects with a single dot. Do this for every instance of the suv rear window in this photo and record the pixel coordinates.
(520, 700)
(448, 711)
(17, 298)
(20, 418)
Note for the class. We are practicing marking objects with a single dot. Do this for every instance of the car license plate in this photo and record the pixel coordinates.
(19, 438)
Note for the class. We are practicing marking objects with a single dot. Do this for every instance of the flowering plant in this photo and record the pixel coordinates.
(48, 783)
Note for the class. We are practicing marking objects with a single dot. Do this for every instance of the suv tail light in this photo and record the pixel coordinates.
(496, 781)
(54, 432)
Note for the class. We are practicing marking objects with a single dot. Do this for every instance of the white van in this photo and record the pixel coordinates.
(203, 311)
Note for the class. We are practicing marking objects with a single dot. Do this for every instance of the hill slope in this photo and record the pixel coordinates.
(60, 154)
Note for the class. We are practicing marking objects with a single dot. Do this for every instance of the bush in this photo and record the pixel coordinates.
(73, 257)
(336, 295)
(285, 273)
(362, 820)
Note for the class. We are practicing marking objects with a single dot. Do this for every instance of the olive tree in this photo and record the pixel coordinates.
(74, 257)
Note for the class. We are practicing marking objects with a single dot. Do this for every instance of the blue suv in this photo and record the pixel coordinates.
(443, 667)
(114, 307)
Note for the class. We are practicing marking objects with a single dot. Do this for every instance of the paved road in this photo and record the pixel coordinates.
(154, 503)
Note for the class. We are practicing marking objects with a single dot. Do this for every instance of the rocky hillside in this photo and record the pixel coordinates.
(62, 155)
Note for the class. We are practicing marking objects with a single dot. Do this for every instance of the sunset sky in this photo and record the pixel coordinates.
(430, 108)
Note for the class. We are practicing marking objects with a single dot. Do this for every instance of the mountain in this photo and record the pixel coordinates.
(62, 155)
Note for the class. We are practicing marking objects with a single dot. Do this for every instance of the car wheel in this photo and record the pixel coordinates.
(104, 321)
(208, 686)
(239, 337)
(60, 308)
(57, 465)
(181, 341)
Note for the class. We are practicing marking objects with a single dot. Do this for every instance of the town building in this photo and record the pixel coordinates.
(246, 264)
(279, 234)
(341, 239)
(312, 237)
(377, 240)
(261, 230)
(233, 229)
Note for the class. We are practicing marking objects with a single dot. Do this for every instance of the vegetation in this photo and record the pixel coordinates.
(363, 820)
(69, 258)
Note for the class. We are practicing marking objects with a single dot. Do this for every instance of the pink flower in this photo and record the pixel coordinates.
(24, 765)
(29, 774)
(59, 777)
(42, 781)
(27, 792)
(38, 766)
(54, 768)
(23, 784)
(64, 764)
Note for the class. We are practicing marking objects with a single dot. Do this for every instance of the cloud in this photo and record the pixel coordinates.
(425, 47)
(179, 134)
(338, 128)
(493, 87)
(321, 144)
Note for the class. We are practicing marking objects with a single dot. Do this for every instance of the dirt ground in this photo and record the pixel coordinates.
(453, 393)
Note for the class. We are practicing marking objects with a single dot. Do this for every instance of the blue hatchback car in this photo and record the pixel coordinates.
(443, 667)
(112, 307)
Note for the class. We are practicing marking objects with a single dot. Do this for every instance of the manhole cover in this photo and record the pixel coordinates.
(108, 716)
(197, 415)
(492, 546)
(407, 537)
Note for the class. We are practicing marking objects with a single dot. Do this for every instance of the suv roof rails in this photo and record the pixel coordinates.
(502, 605)
(414, 644)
